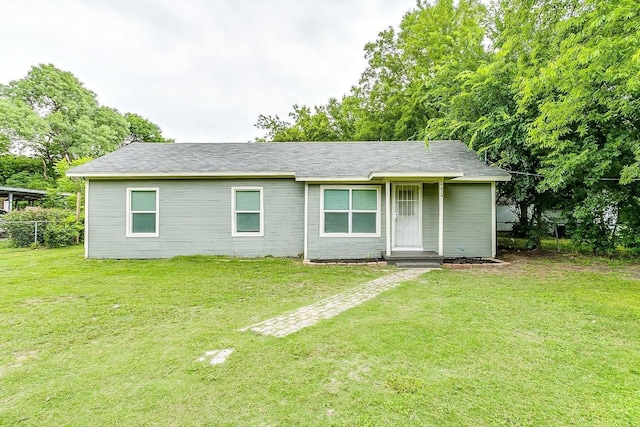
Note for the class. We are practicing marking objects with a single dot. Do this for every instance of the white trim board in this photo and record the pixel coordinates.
(441, 218)
(86, 218)
(306, 221)
(494, 235)
(180, 175)
(387, 210)
(481, 179)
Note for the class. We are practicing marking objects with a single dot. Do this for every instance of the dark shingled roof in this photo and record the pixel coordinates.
(358, 160)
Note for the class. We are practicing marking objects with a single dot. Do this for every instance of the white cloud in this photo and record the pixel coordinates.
(203, 70)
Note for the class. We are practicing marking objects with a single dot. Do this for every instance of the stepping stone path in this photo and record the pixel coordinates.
(289, 323)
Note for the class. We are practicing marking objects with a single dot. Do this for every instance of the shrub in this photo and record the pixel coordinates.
(593, 223)
(630, 226)
(56, 227)
(64, 232)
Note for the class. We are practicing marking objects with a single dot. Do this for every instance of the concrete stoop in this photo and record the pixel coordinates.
(413, 259)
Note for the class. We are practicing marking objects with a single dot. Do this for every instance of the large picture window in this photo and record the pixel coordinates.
(350, 211)
(247, 211)
(142, 212)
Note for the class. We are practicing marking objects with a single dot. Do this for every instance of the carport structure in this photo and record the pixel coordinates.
(13, 195)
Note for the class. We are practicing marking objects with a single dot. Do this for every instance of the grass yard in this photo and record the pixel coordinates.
(545, 341)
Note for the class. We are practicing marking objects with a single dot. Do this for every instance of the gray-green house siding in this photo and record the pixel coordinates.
(467, 220)
(430, 217)
(195, 218)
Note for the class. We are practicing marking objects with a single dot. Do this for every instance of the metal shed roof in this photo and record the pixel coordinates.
(22, 193)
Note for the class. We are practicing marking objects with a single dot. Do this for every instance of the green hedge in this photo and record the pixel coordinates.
(56, 227)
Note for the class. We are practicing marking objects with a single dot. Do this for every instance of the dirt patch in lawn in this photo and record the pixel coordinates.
(19, 357)
(634, 272)
(49, 300)
(549, 263)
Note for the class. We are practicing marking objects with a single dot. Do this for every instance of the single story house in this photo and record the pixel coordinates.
(333, 200)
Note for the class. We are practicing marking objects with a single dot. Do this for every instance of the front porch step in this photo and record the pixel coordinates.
(415, 264)
(413, 259)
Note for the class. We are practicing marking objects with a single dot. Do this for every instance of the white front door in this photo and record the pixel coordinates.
(407, 217)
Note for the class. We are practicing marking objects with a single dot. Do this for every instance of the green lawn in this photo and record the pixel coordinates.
(545, 341)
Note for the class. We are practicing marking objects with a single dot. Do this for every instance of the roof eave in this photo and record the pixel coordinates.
(488, 178)
(437, 174)
(373, 176)
(333, 178)
(180, 175)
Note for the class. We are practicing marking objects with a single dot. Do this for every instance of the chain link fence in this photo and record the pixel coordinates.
(33, 228)
(50, 233)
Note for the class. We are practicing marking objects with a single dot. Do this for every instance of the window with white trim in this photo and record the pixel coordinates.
(142, 212)
(350, 211)
(247, 211)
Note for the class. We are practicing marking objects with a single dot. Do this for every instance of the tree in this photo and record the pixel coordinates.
(33, 181)
(324, 123)
(66, 184)
(408, 79)
(485, 109)
(51, 115)
(11, 165)
(55, 111)
(588, 124)
(142, 130)
(411, 74)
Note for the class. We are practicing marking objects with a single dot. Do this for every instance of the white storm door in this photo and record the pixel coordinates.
(407, 216)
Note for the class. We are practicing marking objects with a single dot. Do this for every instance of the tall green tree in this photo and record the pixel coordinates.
(142, 130)
(323, 123)
(588, 125)
(412, 73)
(11, 164)
(485, 109)
(408, 79)
(51, 115)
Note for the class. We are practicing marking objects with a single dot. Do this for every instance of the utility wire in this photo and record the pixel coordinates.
(537, 175)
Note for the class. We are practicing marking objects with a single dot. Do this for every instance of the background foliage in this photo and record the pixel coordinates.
(547, 89)
(51, 116)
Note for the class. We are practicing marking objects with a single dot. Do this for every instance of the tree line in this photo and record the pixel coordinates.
(546, 89)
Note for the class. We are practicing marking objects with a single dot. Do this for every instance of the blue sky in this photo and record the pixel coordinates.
(202, 70)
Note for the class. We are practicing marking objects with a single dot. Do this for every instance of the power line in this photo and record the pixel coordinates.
(537, 175)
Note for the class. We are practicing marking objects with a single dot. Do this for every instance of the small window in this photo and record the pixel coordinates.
(247, 211)
(350, 211)
(142, 212)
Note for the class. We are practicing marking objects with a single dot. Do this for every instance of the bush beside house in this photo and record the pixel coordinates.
(55, 227)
